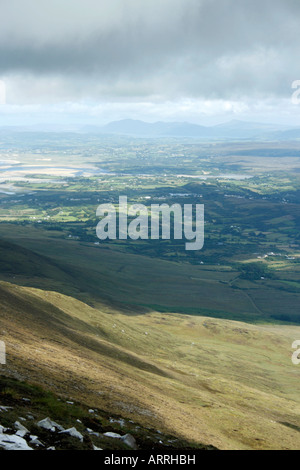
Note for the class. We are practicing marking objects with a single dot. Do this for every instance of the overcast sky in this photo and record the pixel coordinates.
(200, 60)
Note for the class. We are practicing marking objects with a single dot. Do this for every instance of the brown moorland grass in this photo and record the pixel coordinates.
(218, 382)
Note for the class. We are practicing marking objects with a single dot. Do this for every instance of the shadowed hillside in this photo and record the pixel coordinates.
(94, 274)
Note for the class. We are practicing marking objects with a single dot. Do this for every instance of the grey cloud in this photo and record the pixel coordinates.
(200, 48)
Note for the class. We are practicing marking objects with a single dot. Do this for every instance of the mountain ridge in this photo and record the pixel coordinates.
(234, 129)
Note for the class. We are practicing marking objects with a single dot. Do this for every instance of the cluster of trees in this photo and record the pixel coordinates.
(255, 271)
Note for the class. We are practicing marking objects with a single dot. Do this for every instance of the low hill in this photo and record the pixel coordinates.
(208, 381)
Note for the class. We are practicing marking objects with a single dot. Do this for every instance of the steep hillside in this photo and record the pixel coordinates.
(215, 382)
(25, 424)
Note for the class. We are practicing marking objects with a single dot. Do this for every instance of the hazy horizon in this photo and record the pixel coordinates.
(182, 60)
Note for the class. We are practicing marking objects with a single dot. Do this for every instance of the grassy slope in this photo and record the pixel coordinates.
(218, 382)
(92, 273)
(33, 403)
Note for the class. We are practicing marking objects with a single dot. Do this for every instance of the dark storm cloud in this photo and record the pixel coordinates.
(200, 48)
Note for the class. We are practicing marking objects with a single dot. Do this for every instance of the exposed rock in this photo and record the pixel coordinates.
(93, 433)
(130, 441)
(50, 425)
(112, 435)
(74, 433)
(13, 442)
(36, 442)
(121, 422)
(5, 408)
(21, 430)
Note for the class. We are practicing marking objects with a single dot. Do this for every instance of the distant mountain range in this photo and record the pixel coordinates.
(237, 130)
(231, 130)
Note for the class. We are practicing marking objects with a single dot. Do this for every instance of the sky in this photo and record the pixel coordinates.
(203, 61)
